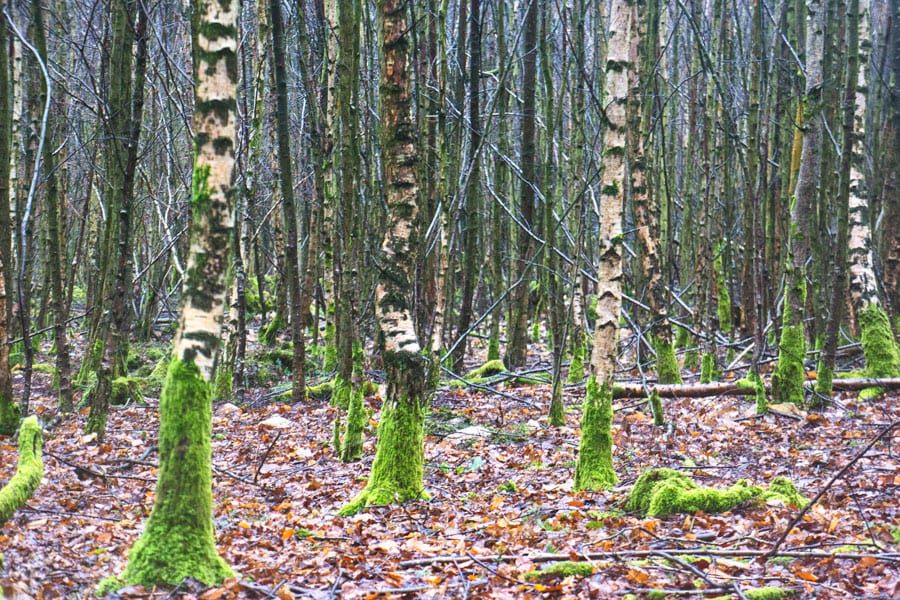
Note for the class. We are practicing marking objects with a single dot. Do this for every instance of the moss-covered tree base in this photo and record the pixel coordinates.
(576, 367)
(493, 349)
(656, 407)
(178, 541)
(594, 469)
(29, 471)
(661, 492)
(557, 416)
(666, 363)
(399, 467)
(789, 375)
(879, 348)
(352, 448)
(9, 415)
(268, 335)
(709, 370)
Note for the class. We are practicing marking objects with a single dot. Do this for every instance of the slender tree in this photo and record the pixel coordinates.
(178, 540)
(787, 382)
(291, 275)
(398, 470)
(519, 303)
(594, 469)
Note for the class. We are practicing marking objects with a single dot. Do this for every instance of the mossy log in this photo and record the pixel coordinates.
(739, 387)
(29, 470)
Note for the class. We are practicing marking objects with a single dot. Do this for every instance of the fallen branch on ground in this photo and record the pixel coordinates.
(738, 388)
(29, 471)
(542, 558)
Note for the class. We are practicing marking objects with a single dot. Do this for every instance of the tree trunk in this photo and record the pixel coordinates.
(518, 321)
(791, 372)
(594, 469)
(291, 274)
(178, 540)
(398, 471)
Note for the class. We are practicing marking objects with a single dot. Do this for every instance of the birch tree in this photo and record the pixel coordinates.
(594, 469)
(178, 540)
(398, 470)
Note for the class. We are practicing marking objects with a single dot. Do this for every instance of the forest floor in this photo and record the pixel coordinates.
(506, 488)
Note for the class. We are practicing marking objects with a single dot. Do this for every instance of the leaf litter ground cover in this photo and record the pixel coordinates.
(501, 482)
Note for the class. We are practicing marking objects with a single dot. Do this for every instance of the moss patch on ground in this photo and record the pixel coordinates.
(565, 568)
(660, 492)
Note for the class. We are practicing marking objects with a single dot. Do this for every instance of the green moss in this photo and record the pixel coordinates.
(9, 414)
(356, 422)
(280, 358)
(879, 348)
(759, 392)
(330, 361)
(594, 469)
(565, 568)
(782, 488)
(824, 383)
(29, 470)
(224, 383)
(661, 492)
(576, 367)
(762, 593)
(127, 389)
(493, 349)
(709, 370)
(557, 415)
(268, 335)
(656, 407)
(789, 375)
(157, 376)
(336, 434)
(399, 467)
(691, 359)
(340, 393)
(491, 367)
(43, 368)
(178, 541)
(320, 391)
(666, 363)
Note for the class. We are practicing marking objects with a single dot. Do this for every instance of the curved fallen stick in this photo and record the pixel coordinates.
(29, 470)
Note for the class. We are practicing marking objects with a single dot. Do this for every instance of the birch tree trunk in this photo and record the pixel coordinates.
(880, 349)
(9, 411)
(178, 540)
(594, 469)
(398, 470)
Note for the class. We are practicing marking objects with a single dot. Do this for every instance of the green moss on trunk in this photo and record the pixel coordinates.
(594, 469)
(789, 375)
(879, 348)
(268, 335)
(656, 407)
(666, 363)
(340, 393)
(557, 414)
(661, 492)
(29, 471)
(709, 370)
(178, 541)
(493, 349)
(824, 380)
(399, 467)
(9, 414)
(576, 367)
(353, 434)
